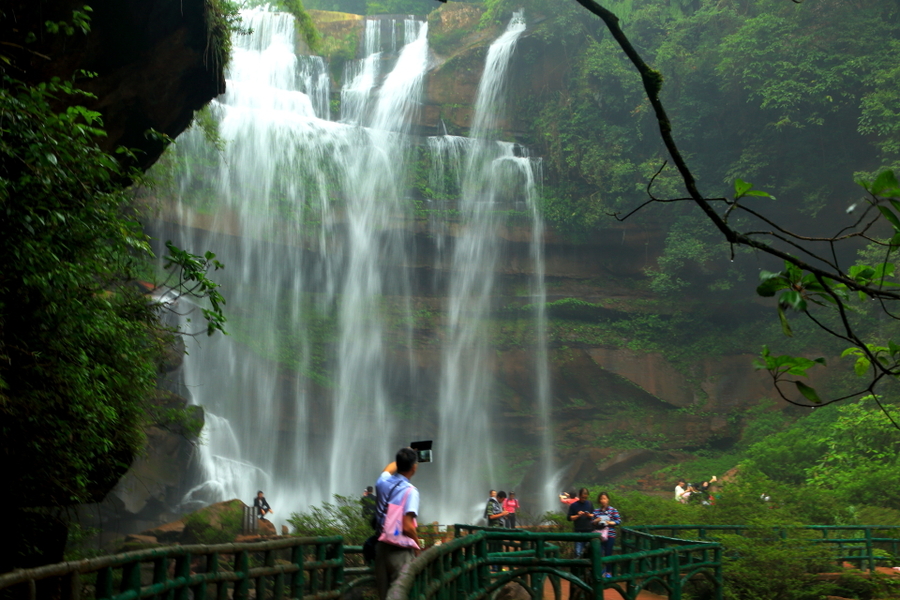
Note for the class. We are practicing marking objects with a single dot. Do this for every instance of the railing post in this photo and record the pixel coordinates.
(182, 571)
(131, 577)
(675, 581)
(241, 566)
(597, 566)
(719, 575)
(339, 579)
(297, 582)
(870, 550)
(73, 586)
(104, 586)
(268, 561)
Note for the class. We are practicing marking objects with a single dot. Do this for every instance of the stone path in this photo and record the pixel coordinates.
(607, 594)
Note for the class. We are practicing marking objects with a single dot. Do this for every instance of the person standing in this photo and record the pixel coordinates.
(581, 513)
(606, 517)
(368, 505)
(392, 487)
(262, 506)
(681, 494)
(511, 505)
(493, 511)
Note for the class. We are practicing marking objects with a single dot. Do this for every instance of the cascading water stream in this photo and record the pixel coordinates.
(311, 218)
(465, 386)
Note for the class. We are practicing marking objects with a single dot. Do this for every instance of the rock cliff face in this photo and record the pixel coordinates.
(152, 61)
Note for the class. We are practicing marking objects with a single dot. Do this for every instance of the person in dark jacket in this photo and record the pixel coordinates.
(262, 507)
(368, 505)
(581, 513)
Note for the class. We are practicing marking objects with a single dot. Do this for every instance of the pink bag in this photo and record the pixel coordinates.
(392, 530)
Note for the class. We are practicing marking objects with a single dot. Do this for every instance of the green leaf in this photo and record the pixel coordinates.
(855, 351)
(785, 326)
(741, 188)
(793, 299)
(769, 286)
(760, 193)
(890, 216)
(862, 366)
(886, 179)
(808, 392)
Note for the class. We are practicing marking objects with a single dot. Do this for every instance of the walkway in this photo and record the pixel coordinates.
(608, 594)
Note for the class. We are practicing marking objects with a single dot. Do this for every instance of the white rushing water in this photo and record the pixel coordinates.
(312, 219)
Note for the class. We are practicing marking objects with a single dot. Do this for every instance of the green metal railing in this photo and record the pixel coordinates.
(308, 568)
(473, 565)
(860, 545)
(481, 560)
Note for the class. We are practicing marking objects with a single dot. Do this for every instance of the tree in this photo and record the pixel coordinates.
(813, 274)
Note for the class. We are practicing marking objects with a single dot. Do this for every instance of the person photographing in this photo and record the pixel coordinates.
(396, 508)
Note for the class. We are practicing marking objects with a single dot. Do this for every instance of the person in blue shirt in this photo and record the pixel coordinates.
(390, 489)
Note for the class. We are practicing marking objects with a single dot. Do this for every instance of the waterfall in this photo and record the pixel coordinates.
(490, 171)
(317, 385)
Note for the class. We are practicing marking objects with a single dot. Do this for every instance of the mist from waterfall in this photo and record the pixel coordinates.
(311, 217)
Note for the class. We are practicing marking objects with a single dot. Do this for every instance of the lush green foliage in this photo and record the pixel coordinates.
(761, 569)
(343, 518)
(744, 104)
(302, 20)
(849, 450)
(79, 341)
(200, 528)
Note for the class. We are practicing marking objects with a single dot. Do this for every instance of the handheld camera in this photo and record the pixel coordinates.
(423, 449)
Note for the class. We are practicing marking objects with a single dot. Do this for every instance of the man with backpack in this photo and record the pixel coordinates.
(396, 509)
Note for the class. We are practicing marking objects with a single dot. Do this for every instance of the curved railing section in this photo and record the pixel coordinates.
(860, 545)
(309, 568)
(481, 560)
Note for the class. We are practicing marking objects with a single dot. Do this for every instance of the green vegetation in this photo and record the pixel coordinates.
(202, 527)
(343, 518)
(303, 22)
(80, 341)
(222, 19)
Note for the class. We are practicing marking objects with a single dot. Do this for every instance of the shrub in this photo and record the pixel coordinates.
(756, 568)
(343, 518)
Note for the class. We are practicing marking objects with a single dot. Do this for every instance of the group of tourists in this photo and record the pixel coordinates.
(601, 520)
(394, 506)
(703, 493)
(500, 510)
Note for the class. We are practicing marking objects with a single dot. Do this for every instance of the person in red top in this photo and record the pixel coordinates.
(511, 505)
(568, 498)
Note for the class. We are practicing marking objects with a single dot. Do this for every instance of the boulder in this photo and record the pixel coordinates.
(513, 591)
